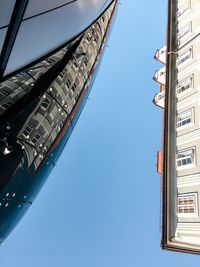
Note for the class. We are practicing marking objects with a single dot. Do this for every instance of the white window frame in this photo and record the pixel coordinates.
(185, 85)
(187, 160)
(36, 137)
(192, 200)
(27, 130)
(183, 9)
(185, 119)
(45, 101)
(184, 57)
(182, 33)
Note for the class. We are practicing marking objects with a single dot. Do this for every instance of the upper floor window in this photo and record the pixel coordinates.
(51, 60)
(3, 93)
(183, 9)
(8, 104)
(184, 32)
(68, 83)
(74, 87)
(182, 58)
(185, 84)
(187, 205)
(62, 73)
(28, 130)
(185, 158)
(184, 118)
(75, 64)
(45, 103)
(36, 137)
(85, 61)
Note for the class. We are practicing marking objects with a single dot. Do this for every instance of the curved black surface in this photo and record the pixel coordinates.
(39, 108)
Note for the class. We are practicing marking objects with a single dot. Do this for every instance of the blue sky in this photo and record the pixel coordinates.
(100, 206)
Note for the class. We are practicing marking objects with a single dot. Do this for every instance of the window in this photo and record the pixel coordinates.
(183, 8)
(45, 103)
(88, 38)
(3, 93)
(96, 38)
(184, 118)
(185, 84)
(183, 33)
(68, 83)
(185, 158)
(51, 60)
(187, 204)
(36, 137)
(74, 87)
(184, 57)
(75, 64)
(8, 104)
(62, 74)
(21, 74)
(85, 61)
(28, 130)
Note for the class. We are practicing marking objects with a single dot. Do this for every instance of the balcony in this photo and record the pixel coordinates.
(159, 99)
(159, 76)
(160, 55)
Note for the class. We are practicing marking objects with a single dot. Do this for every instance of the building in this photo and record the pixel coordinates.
(179, 159)
(39, 107)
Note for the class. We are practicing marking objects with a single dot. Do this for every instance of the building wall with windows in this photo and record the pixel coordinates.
(188, 119)
(184, 199)
(187, 200)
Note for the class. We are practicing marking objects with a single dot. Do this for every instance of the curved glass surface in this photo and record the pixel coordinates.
(39, 108)
(46, 25)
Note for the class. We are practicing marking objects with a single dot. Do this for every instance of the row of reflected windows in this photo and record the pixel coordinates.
(5, 93)
(31, 132)
(44, 105)
(46, 102)
(90, 37)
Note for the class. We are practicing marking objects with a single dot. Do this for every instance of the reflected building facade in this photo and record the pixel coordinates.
(179, 159)
(39, 108)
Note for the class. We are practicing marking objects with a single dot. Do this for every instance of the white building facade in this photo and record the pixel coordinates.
(181, 206)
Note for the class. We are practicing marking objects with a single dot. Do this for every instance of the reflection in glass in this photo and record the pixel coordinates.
(39, 108)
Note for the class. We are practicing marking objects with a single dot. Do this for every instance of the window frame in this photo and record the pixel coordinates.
(184, 57)
(186, 206)
(45, 101)
(187, 83)
(36, 137)
(184, 7)
(184, 31)
(181, 124)
(185, 158)
(28, 129)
